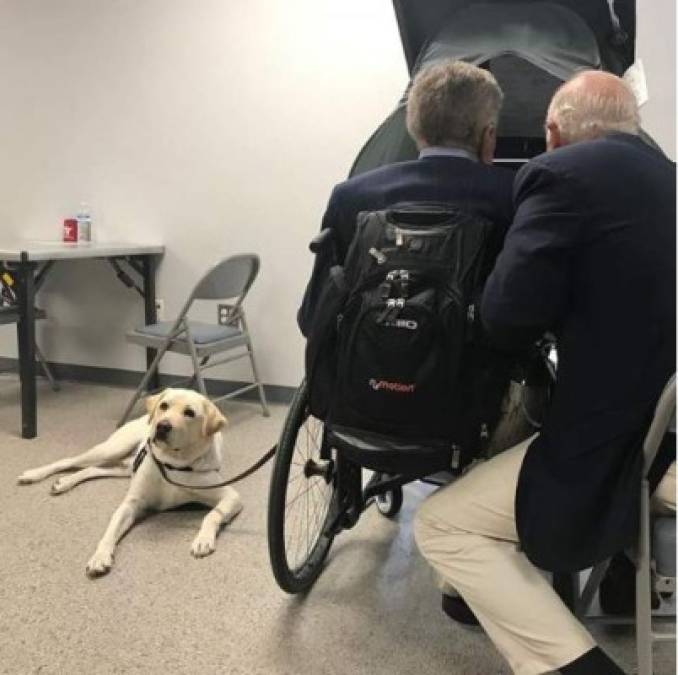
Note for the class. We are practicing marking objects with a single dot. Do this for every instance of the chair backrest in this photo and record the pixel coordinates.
(664, 415)
(230, 278)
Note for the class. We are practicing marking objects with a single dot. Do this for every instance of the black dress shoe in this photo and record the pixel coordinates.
(618, 588)
(455, 607)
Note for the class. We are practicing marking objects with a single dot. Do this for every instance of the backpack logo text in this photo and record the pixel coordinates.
(396, 387)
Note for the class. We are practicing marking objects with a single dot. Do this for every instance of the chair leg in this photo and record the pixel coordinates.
(196, 365)
(585, 599)
(643, 600)
(202, 388)
(255, 371)
(260, 386)
(46, 369)
(193, 381)
(142, 385)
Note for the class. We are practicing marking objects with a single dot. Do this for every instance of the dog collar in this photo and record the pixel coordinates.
(146, 450)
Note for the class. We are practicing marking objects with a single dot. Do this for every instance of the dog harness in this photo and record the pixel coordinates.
(203, 472)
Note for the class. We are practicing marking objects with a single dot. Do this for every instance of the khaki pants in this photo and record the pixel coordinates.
(467, 532)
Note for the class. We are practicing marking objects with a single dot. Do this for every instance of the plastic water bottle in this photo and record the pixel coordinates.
(84, 219)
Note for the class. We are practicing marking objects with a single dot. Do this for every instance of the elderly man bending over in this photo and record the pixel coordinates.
(590, 256)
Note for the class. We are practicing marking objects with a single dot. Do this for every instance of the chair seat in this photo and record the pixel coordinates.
(202, 333)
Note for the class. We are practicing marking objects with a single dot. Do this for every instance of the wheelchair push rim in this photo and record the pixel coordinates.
(301, 500)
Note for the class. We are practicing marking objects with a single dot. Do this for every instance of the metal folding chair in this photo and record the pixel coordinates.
(655, 555)
(9, 315)
(231, 280)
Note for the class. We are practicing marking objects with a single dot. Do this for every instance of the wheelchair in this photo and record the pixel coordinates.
(317, 488)
(317, 491)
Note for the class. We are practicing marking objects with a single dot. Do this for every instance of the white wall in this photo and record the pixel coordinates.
(656, 46)
(213, 126)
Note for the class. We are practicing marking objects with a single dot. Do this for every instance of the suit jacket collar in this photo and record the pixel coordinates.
(441, 151)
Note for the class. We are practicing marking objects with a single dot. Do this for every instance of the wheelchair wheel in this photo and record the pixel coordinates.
(390, 503)
(302, 500)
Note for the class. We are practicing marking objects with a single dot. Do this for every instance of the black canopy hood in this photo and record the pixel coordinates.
(613, 23)
(531, 46)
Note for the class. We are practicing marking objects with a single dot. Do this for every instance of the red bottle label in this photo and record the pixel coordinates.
(71, 230)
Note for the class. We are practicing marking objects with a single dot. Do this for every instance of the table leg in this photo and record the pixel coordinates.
(26, 340)
(149, 265)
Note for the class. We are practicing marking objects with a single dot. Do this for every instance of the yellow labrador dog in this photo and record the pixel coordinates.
(182, 430)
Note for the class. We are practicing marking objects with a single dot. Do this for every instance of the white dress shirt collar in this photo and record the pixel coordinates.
(442, 151)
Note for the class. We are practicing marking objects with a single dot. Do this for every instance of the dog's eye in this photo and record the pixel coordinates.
(189, 412)
(164, 405)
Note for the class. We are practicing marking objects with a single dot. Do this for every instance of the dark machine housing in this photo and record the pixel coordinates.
(531, 47)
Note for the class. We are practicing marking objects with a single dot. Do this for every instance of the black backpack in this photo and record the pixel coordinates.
(387, 350)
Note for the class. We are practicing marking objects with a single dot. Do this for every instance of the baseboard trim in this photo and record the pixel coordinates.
(118, 377)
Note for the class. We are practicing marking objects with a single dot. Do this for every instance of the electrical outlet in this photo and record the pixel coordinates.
(160, 309)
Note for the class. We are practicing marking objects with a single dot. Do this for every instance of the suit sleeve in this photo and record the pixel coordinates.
(527, 292)
(323, 261)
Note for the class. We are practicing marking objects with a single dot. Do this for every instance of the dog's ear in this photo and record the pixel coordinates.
(151, 403)
(214, 419)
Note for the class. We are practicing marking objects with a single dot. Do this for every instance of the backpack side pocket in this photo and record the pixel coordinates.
(321, 346)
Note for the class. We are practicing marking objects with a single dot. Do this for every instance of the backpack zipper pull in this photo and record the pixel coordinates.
(484, 432)
(398, 304)
(405, 282)
(386, 286)
(390, 304)
(484, 439)
(456, 457)
(377, 255)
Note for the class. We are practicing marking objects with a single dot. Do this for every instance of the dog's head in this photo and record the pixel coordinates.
(183, 423)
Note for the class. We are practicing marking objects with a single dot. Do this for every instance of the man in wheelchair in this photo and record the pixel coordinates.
(452, 114)
(389, 317)
(590, 255)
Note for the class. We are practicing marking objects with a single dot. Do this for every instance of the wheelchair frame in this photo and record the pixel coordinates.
(347, 498)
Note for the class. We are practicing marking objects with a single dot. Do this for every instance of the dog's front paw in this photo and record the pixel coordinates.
(99, 564)
(59, 486)
(203, 545)
(30, 476)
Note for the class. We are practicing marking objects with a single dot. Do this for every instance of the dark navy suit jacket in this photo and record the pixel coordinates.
(477, 188)
(590, 256)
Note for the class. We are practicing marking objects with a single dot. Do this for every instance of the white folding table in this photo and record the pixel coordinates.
(30, 261)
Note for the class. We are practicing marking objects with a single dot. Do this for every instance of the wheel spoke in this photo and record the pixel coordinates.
(318, 508)
(297, 496)
(296, 478)
(308, 534)
(307, 497)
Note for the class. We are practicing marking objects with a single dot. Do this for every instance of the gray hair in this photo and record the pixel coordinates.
(584, 113)
(451, 103)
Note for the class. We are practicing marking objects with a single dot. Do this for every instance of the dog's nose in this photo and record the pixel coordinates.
(162, 430)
